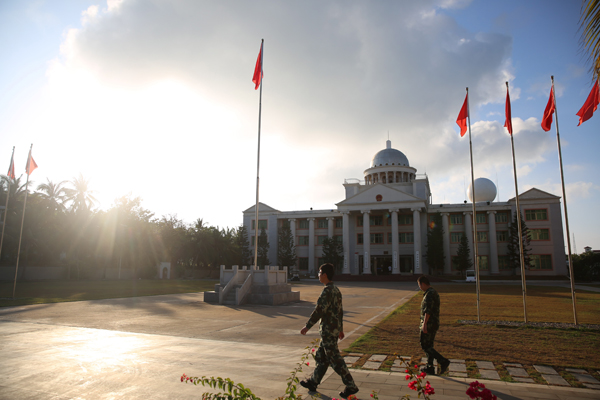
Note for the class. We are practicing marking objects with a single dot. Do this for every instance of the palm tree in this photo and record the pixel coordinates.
(80, 196)
(53, 194)
(590, 38)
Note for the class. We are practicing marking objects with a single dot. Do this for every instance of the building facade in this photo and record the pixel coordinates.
(383, 221)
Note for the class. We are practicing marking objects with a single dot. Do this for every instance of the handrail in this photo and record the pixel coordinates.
(225, 290)
(242, 291)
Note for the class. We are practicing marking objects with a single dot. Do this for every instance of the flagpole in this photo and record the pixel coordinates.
(7, 195)
(523, 283)
(562, 179)
(474, 219)
(22, 219)
(258, 159)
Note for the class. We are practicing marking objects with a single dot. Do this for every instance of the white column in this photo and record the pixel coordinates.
(469, 232)
(311, 247)
(417, 235)
(493, 244)
(395, 245)
(330, 222)
(448, 259)
(366, 243)
(346, 241)
(293, 229)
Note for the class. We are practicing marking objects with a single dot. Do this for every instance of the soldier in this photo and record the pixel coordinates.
(329, 310)
(430, 323)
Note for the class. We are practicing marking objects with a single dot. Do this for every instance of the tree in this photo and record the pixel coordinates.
(80, 195)
(590, 38)
(513, 250)
(333, 252)
(263, 248)
(435, 243)
(244, 254)
(52, 194)
(286, 250)
(463, 256)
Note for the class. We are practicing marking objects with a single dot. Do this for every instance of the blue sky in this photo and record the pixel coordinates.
(155, 99)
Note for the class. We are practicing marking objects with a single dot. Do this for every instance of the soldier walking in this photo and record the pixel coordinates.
(430, 323)
(330, 311)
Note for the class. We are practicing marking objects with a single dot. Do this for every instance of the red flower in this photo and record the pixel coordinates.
(412, 385)
(428, 389)
(407, 377)
(422, 375)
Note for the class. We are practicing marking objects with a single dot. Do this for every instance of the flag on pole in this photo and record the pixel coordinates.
(508, 121)
(462, 117)
(11, 169)
(591, 104)
(31, 165)
(258, 69)
(547, 118)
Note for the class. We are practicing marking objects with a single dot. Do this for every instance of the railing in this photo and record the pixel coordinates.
(353, 180)
(232, 274)
(243, 291)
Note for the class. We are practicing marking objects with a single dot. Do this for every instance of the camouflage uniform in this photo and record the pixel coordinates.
(329, 310)
(430, 305)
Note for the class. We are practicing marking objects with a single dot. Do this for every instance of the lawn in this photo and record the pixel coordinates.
(59, 291)
(578, 348)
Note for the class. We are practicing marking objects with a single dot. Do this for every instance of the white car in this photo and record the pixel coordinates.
(470, 276)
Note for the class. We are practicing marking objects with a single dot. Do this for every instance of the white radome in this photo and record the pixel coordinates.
(485, 190)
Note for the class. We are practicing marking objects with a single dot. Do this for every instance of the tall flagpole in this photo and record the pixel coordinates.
(474, 219)
(22, 219)
(258, 158)
(562, 179)
(523, 283)
(7, 195)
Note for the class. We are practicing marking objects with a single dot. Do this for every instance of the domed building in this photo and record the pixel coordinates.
(382, 224)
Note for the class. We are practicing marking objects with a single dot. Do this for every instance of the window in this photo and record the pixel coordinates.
(260, 240)
(377, 238)
(303, 263)
(406, 237)
(482, 237)
(339, 223)
(536, 215)
(359, 238)
(503, 263)
(539, 234)
(389, 237)
(320, 261)
(338, 238)
(502, 236)
(303, 224)
(322, 223)
(405, 219)
(483, 263)
(502, 218)
(455, 237)
(320, 240)
(540, 262)
(481, 218)
(456, 219)
(359, 220)
(302, 240)
(262, 224)
(376, 220)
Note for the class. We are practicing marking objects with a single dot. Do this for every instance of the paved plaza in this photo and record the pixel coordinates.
(137, 348)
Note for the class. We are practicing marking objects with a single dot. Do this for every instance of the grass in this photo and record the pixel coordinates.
(577, 348)
(40, 292)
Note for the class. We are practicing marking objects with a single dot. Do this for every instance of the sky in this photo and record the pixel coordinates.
(154, 98)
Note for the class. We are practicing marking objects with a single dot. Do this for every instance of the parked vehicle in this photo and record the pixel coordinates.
(470, 276)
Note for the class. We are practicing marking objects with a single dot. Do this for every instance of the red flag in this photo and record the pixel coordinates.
(508, 121)
(31, 165)
(11, 169)
(462, 117)
(258, 69)
(547, 118)
(591, 104)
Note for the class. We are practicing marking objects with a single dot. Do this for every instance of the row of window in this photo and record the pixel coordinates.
(502, 236)
(539, 262)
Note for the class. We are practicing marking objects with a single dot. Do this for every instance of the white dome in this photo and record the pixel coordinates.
(389, 157)
(485, 190)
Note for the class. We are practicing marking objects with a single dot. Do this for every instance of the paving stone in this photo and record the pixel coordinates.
(544, 369)
(351, 360)
(400, 362)
(555, 380)
(354, 355)
(517, 372)
(517, 365)
(458, 374)
(456, 367)
(592, 386)
(577, 370)
(394, 368)
(452, 360)
(489, 374)
(371, 365)
(524, 380)
(424, 361)
(585, 378)
(485, 365)
(378, 358)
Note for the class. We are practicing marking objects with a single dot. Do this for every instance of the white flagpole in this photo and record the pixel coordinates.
(12, 158)
(262, 54)
(562, 179)
(22, 219)
(523, 283)
(474, 219)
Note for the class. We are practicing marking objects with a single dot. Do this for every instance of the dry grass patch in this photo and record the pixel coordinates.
(578, 348)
